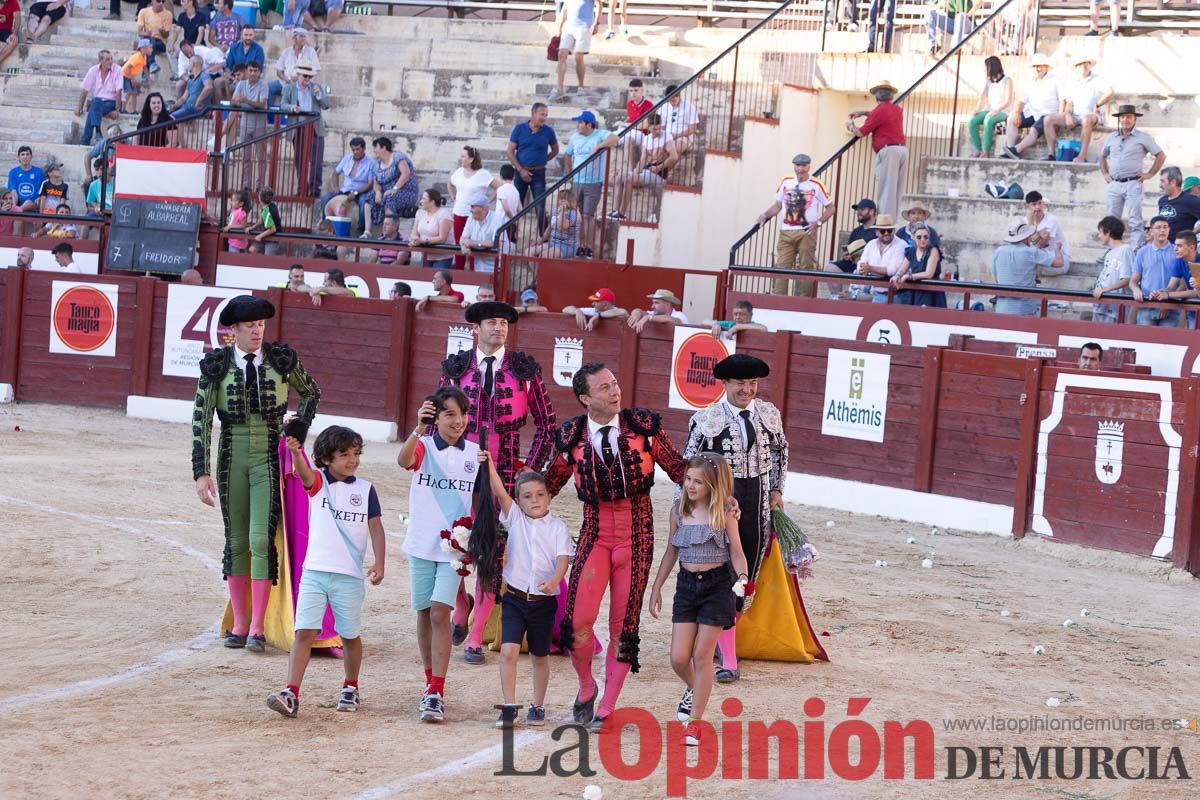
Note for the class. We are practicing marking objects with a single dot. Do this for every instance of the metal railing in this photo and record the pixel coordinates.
(287, 158)
(936, 107)
(704, 114)
(962, 295)
(211, 131)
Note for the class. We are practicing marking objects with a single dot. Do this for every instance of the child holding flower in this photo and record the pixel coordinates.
(445, 465)
(704, 538)
(539, 550)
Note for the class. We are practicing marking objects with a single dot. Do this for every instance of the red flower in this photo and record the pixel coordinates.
(749, 588)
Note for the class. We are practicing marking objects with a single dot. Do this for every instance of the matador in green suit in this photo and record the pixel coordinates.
(247, 384)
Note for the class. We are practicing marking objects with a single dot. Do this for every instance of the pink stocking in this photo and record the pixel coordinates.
(484, 603)
(238, 586)
(260, 592)
(728, 643)
(589, 592)
(462, 608)
(620, 583)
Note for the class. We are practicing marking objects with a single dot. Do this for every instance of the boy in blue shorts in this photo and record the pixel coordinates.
(343, 513)
(539, 550)
(445, 465)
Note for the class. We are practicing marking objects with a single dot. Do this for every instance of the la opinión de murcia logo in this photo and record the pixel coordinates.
(854, 749)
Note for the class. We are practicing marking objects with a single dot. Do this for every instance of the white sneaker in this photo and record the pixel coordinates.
(348, 699)
(683, 712)
(432, 709)
(285, 702)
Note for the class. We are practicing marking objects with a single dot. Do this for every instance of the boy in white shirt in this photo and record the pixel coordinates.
(343, 513)
(445, 466)
(538, 552)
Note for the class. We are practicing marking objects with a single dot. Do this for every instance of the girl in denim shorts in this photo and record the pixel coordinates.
(704, 539)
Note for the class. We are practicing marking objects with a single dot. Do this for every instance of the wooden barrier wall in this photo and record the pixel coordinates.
(1016, 432)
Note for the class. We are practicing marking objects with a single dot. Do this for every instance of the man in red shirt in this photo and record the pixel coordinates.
(10, 18)
(885, 126)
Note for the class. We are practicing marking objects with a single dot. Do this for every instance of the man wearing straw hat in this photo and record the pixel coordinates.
(883, 256)
(917, 214)
(885, 126)
(1039, 101)
(663, 305)
(1082, 107)
(1016, 263)
(806, 205)
(1122, 163)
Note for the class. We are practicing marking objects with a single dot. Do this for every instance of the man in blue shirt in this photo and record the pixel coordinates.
(531, 145)
(1180, 209)
(589, 183)
(1017, 263)
(1157, 271)
(357, 178)
(245, 51)
(25, 179)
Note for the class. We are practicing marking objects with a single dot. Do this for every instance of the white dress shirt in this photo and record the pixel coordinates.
(613, 433)
(533, 547)
(241, 357)
(480, 356)
(737, 413)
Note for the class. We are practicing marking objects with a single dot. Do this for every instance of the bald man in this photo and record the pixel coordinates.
(25, 257)
(191, 277)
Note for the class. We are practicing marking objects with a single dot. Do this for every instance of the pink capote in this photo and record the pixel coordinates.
(295, 523)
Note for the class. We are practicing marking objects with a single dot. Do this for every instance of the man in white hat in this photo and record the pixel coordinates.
(479, 234)
(663, 309)
(289, 59)
(1017, 263)
(1040, 100)
(307, 96)
(883, 256)
(1083, 105)
(885, 126)
(1123, 165)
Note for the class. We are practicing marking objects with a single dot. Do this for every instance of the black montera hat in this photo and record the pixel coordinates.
(490, 309)
(740, 367)
(246, 308)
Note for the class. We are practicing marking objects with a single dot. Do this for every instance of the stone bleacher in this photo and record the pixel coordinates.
(439, 83)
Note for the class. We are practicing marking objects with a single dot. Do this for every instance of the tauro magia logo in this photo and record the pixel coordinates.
(84, 319)
(693, 369)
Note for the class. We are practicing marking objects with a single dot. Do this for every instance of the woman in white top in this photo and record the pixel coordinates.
(464, 181)
(432, 225)
(994, 102)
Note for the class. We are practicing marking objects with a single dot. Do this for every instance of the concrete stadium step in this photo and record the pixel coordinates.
(1058, 182)
(986, 219)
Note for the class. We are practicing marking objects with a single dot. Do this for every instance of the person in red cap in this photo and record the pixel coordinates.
(604, 305)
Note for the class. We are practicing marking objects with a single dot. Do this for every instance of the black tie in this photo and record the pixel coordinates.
(750, 437)
(488, 377)
(606, 450)
(251, 384)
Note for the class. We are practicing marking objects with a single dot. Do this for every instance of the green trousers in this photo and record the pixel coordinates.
(987, 121)
(247, 498)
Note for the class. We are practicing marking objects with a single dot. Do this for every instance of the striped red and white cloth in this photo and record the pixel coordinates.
(160, 173)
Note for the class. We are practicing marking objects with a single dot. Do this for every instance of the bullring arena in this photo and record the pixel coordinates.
(128, 692)
(713, 223)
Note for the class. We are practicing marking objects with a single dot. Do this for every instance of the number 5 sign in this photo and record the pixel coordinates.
(191, 327)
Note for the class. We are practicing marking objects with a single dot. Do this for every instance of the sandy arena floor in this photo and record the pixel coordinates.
(115, 684)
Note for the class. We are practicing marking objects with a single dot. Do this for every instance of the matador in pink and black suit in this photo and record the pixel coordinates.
(501, 401)
(611, 453)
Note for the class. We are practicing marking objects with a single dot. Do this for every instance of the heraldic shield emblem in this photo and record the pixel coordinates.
(1110, 445)
(568, 358)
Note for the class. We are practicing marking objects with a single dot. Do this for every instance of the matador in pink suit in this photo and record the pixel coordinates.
(611, 453)
(505, 388)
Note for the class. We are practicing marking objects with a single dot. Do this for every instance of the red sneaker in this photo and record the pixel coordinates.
(691, 734)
